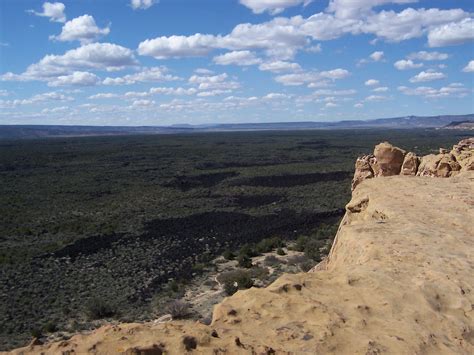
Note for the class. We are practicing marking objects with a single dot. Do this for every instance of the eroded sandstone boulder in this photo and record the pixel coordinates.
(363, 170)
(447, 166)
(410, 164)
(464, 153)
(440, 165)
(389, 159)
(428, 165)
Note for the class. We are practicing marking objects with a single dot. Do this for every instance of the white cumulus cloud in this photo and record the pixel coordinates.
(456, 90)
(406, 64)
(142, 4)
(98, 56)
(469, 68)
(428, 56)
(279, 66)
(143, 103)
(53, 10)
(272, 6)
(452, 33)
(427, 76)
(77, 78)
(374, 98)
(242, 58)
(214, 82)
(99, 96)
(377, 56)
(372, 82)
(358, 8)
(150, 74)
(311, 78)
(82, 29)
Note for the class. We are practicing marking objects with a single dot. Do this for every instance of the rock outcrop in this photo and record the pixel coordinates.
(388, 160)
(398, 280)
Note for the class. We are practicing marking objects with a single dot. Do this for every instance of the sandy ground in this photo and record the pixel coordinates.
(399, 280)
(205, 291)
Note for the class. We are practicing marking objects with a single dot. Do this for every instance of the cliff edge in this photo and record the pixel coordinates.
(399, 280)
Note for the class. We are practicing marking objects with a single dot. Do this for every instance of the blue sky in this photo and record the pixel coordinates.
(149, 62)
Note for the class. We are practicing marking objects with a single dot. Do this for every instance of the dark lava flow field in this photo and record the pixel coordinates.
(117, 217)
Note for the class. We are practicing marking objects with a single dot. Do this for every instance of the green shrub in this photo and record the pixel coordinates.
(296, 259)
(300, 243)
(50, 327)
(228, 255)
(230, 288)
(268, 244)
(248, 250)
(244, 282)
(244, 261)
(174, 286)
(311, 249)
(271, 260)
(280, 251)
(310, 246)
(178, 309)
(236, 280)
(98, 308)
(199, 267)
(307, 265)
(36, 333)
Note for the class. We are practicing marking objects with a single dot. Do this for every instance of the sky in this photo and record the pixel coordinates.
(150, 62)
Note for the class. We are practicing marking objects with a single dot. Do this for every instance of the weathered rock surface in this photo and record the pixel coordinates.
(410, 164)
(388, 160)
(363, 170)
(398, 280)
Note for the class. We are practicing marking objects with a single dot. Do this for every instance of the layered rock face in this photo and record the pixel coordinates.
(388, 160)
(398, 280)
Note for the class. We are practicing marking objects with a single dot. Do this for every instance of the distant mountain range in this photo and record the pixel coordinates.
(463, 125)
(40, 131)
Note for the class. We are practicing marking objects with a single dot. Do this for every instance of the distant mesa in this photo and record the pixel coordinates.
(461, 125)
(405, 122)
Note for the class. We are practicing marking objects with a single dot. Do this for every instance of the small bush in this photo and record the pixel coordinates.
(307, 265)
(198, 268)
(271, 260)
(244, 282)
(280, 251)
(98, 308)
(236, 280)
(268, 244)
(300, 243)
(244, 261)
(50, 327)
(36, 333)
(174, 286)
(230, 288)
(228, 255)
(248, 250)
(311, 249)
(296, 259)
(178, 309)
(310, 246)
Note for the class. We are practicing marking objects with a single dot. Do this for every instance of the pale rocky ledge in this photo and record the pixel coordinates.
(398, 280)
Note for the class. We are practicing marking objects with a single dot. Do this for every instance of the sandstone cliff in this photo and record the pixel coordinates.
(399, 280)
